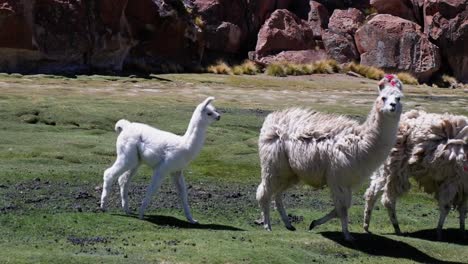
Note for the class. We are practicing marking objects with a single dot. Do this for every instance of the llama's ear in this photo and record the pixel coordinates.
(207, 101)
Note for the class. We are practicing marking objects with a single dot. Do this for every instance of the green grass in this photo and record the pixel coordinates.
(51, 170)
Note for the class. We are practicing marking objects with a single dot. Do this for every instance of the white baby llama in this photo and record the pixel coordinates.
(164, 152)
(323, 149)
(433, 149)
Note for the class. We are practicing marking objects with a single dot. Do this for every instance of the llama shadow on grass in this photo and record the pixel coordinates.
(376, 245)
(162, 220)
(450, 235)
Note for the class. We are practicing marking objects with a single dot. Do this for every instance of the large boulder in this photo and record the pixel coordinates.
(340, 46)
(394, 43)
(15, 25)
(284, 31)
(446, 22)
(407, 9)
(227, 25)
(110, 35)
(318, 18)
(166, 35)
(346, 21)
(66, 36)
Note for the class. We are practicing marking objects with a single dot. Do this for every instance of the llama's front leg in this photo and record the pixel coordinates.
(124, 183)
(156, 181)
(342, 200)
(282, 212)
(181, 187)
(372, 194)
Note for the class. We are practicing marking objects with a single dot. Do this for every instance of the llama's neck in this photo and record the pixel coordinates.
(379, 134)
(194, 137)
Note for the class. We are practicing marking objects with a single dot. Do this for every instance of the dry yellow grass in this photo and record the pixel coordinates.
(285, 68)
(407, 78)
(219, 68)
(366, 71)
(247, 67)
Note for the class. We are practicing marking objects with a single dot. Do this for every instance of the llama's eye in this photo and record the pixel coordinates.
(209, 113)
(398, 99)
(384, 99)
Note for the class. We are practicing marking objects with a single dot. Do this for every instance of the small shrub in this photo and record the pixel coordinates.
(276, 69)
(325, 66)
(366, 71)
(219, 68)
(293, 69)
(407, 78)
(247, 67)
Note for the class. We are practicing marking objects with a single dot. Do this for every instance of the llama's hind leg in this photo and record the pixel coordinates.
(124, 183)
(264, 199)
(332, 214)
(462, 209)
(389, 201)
(181, 187)
(282, 211)
(121, 165)
(445, 196)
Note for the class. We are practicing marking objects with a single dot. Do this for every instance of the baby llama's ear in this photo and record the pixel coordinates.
(207, 101)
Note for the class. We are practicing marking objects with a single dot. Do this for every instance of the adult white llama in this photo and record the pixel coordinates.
(433, 149)
(323, 149)
(165, 152)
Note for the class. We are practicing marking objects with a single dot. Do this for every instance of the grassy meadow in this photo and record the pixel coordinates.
(57, 138)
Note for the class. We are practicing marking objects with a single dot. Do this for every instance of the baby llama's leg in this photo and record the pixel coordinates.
(123, 163)
(156, 181)
(181, 187)
(124, 183)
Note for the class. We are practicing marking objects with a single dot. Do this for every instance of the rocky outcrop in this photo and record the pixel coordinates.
(318, 18)
(346, 21)
(407, 9)
(69, 36)
(283, 31)
(394, 43)
(446, 23)
(166, 36)
(338, 39)
(340, 46)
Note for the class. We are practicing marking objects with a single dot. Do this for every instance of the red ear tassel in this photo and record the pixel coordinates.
(389, 76)
(393, 83)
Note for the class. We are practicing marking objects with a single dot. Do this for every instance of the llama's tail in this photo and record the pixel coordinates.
(120, 125)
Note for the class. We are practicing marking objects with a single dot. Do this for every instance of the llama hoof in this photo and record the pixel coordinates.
(267, 228)
(258, 222)
(312, 225)
(291, 228)
(397, 229)
(349, 238)
(141, 216)
(193, 221)
(366, 228)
